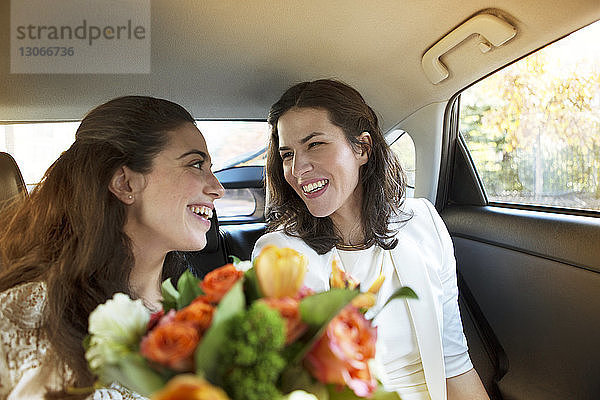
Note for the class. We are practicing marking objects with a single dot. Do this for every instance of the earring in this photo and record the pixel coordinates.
(130, 197)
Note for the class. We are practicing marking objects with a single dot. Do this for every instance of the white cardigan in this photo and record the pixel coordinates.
(424, 261)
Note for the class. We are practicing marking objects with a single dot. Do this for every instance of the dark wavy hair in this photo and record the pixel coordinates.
(382, 178)
(69, 231)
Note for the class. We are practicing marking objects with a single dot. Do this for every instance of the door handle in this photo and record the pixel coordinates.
(492, 30)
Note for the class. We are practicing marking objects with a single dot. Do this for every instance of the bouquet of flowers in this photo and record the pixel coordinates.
(243, 332)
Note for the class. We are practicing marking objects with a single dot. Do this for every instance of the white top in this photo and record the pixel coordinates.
(26, 355)
(424, 260)
(397, 344)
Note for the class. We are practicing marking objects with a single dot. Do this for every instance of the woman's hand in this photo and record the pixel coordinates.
(466, 386)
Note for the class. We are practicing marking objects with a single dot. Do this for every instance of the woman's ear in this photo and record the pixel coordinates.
(126, 184)
(365, 148)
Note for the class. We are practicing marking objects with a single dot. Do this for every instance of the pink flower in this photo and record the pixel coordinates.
(342, 353)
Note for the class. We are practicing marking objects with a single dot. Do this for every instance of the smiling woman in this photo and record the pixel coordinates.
(135, 184)
(337, 197)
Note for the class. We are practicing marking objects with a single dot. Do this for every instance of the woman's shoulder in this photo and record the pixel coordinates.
(419, 213)
(419, 205)
(424, 226)
(22, 306)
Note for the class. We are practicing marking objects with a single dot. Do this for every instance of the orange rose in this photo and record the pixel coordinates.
(189, 387)
(171, 344)
(218, 282)
(289, 310)
(341, 355)
(198, 313)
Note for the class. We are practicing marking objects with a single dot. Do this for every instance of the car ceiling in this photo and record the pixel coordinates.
(232, 59)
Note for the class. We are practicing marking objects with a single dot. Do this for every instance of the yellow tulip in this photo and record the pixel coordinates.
(280, 271)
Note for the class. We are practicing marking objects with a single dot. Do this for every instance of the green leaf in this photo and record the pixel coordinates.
(86, 342)
(232, 303)
(134, 373)
(188, 288)
(235, 260)
(170, 295)
(405, 292)
(296, 377)
(207, 352)
(251, 286)
(318, 309)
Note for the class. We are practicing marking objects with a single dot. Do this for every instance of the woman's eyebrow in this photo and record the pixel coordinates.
(197, 152)
(303, 140)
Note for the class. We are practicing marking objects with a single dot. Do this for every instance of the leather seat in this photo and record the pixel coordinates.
(12, 186)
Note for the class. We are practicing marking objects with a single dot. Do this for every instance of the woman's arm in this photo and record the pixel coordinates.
(466, 386)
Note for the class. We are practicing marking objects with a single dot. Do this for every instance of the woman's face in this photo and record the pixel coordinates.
(319, 163)
(173, 210)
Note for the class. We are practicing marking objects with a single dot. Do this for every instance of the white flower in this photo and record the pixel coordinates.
(119, 320)
(300, 395)
(115, 327)
(243, 266)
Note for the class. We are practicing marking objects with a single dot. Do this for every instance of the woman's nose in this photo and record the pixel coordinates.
(300, 165)
(214, 188)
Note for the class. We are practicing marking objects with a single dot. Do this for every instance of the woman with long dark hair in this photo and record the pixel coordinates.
(135, 185)
(336, 192)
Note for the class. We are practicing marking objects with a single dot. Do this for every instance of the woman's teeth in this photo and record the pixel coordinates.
(313, 187)
(203, 211)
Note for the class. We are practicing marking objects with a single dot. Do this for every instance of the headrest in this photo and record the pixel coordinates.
(12, 185)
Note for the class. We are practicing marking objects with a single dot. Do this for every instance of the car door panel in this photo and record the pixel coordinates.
(535, 276)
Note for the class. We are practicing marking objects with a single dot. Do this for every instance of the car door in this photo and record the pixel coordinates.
(520, 187)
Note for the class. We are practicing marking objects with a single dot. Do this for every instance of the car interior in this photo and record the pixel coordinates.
(529, 271)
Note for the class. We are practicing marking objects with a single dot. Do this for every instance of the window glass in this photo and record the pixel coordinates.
(236, 202)
(404, 148)
(35, 146)
(235, 142)
(533, 128)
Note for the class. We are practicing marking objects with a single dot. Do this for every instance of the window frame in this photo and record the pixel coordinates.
(451, 144)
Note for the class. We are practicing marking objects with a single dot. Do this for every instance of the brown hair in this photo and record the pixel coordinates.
(69, 231)
(382, 179)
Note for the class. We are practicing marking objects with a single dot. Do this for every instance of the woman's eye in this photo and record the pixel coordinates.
(286, 155)
(314, 144)
(197, 164)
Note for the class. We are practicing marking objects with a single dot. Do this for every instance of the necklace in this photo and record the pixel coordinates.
(360, 246)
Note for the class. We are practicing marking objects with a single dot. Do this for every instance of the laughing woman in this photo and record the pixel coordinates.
(135, 185)
(337, 192)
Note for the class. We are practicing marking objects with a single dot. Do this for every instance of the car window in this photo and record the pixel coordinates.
(235, 143)
(533, 128)
(403, 146)
(35, 146)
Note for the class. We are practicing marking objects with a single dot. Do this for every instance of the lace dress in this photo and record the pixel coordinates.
(26, 366)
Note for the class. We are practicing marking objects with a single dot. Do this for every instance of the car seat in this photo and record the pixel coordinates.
(12, 185)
